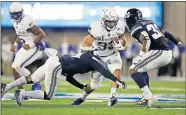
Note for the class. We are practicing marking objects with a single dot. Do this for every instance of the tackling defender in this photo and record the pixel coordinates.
(155, 51)
(105, 38)
(53, 68)
(29, 35)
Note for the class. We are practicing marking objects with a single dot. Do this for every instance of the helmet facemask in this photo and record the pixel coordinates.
(16, 16)
(110, 25)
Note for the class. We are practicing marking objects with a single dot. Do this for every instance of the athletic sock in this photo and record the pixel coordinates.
(113, 92)
(19, 82)
(37, 94)
(84, 95)
(139, 79)
(146, 76)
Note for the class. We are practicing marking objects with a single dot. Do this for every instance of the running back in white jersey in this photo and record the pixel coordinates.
(105, 38)
(22, 27)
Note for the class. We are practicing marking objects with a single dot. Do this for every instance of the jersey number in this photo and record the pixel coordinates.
(156, 33)
(106, 45)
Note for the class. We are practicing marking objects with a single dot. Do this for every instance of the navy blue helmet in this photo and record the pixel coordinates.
(131, 16)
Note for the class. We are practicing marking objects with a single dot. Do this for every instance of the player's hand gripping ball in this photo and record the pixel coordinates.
(118, 44)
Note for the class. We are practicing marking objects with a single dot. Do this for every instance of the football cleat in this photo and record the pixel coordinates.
(149, 103)
(18, 97)
(113, 100)
(2, 89)
(142, 101)
(78, 101)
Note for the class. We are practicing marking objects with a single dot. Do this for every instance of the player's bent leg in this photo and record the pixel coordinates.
(53, 71)
(95, 82)
(115, 67)
(23, 58)
(37, 77)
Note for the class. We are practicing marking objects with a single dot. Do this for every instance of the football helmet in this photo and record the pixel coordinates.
(131, 16)
(16, 11)
(109, 18)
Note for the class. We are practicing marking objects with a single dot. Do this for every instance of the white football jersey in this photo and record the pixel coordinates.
(105, 38)
(21, 28)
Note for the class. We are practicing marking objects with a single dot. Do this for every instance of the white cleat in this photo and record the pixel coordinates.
(149, 102)
(18, 97)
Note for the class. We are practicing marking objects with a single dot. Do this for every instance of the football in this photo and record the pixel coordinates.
(117, 41)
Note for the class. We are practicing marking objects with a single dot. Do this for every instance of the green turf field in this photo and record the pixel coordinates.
(63, 107)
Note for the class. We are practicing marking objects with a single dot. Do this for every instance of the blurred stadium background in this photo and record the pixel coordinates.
(66, 24)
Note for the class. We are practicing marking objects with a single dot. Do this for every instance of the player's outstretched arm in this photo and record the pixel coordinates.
(171, 37)
(101, 67)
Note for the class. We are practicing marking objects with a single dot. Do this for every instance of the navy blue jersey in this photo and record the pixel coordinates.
(80, 63)
(83, 63)
(158, 41)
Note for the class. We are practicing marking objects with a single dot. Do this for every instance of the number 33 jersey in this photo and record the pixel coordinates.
(104, 38)
(158, 41)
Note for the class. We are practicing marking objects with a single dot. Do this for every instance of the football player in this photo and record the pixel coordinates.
(55, 66)
(170, 37)
(30, 36)
(105, 38)
(155, 51)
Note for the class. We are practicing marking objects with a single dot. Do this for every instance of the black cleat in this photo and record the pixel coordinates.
(3, 85)
(78, 101)
(113, 100)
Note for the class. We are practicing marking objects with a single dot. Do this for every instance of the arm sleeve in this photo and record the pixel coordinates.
(73, 81)
(170, 37)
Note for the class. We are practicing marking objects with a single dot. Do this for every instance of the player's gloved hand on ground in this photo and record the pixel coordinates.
(136, 59)
(26, 46)
(118, 44)
(122, 84)
(13, 48)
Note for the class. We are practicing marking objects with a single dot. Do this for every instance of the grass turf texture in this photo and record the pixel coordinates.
(63, 107)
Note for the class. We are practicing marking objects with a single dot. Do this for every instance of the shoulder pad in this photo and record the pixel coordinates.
(120, 28)
(136, 28)
(28, 21)
(95, 29)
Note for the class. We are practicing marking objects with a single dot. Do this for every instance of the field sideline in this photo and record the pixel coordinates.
(95, 106)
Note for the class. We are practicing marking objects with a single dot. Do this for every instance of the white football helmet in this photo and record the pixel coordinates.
(109, 18)
(16, 11)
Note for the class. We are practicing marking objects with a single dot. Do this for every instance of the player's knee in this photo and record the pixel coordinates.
(132, 71)
(94, 84)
